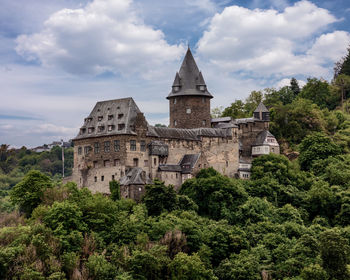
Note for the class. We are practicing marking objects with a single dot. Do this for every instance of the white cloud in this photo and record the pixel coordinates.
(105, 35)
(265, 43)
(49, 128)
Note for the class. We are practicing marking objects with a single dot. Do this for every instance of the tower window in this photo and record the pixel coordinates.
(100, 118)
(120, 116)
(132, 145)
(204, 122)
(188, 111)
(79, 151)
(97, 147)
(136, 162)
(175, 123)
(203, 99)
(202, 88)
(121, 126)
(174, 101)
(116, 145)
(110, 117)
(143, 145)
(107, 146)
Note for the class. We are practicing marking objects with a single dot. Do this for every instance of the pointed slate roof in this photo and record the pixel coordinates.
(188, 79)
(261, 108)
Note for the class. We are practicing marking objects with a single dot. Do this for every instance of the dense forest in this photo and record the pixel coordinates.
(290, 221)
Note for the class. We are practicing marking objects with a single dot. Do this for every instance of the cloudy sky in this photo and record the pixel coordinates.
(58, 57)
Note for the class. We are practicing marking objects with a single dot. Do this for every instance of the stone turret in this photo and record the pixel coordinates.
(189, 99)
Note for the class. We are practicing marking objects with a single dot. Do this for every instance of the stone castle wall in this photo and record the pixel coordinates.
(189, 112)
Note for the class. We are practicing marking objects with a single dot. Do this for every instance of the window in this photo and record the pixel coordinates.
(80, 150)
(175, 123)
(102, 178)
(87, 120)
(143, 145)
(112, 177)
(202, 88)
(95, 164)
(203, 100)
(106, 163)
(82, 130)
(146, 163)
(101, 128)
(95, 179)
(121, 126)
(174, 101)
(188, 111)
(204, 122)
(132, 145)
(110, 117)
(100, 118)
(136, 162)
(111, 127)
(116, 145)
(117, 162)
(121, 173)
(120, 116)
(97, 147)
(91, 130)
(226, 163)
(86, 150)
(155, 161)
(107, 146)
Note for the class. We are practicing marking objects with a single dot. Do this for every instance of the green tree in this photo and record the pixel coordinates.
(185, 267)
(335, 254)
(114, 188)
(28, 193)
(315, 147)
(159, 198)
(320, 93)
(345, 64)
(294, 86)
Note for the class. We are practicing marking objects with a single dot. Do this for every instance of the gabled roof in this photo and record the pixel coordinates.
(261, 138)
(134, 177)
(188, 79)
(261, 108)
(188, 160)
(118, 114)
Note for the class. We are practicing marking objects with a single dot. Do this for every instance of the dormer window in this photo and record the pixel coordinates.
(110, 117)
(176, 88)
(101, 128)
(91, 130)
(82, 130)
(111, 127)
(120, 116)
(202, 88)
(121, 126)
(100, 118)
(87, 120)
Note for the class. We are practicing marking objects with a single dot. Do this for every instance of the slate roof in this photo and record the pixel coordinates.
(261, 108)
(109, 118)
(189, 78)
(261, 137)
(187, 134)
(170, 167)
(134, 177)
(223, 119)
(244, 120)
(188, 160)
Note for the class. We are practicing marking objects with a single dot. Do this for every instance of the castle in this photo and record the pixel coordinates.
(116, 142)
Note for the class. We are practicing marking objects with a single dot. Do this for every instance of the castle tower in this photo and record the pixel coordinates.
(189, 99)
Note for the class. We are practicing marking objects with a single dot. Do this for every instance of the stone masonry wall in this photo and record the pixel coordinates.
(189, 112)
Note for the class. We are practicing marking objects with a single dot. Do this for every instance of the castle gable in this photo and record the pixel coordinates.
(110, 118)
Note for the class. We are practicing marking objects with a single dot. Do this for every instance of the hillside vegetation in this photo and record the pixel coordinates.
(290, 221)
